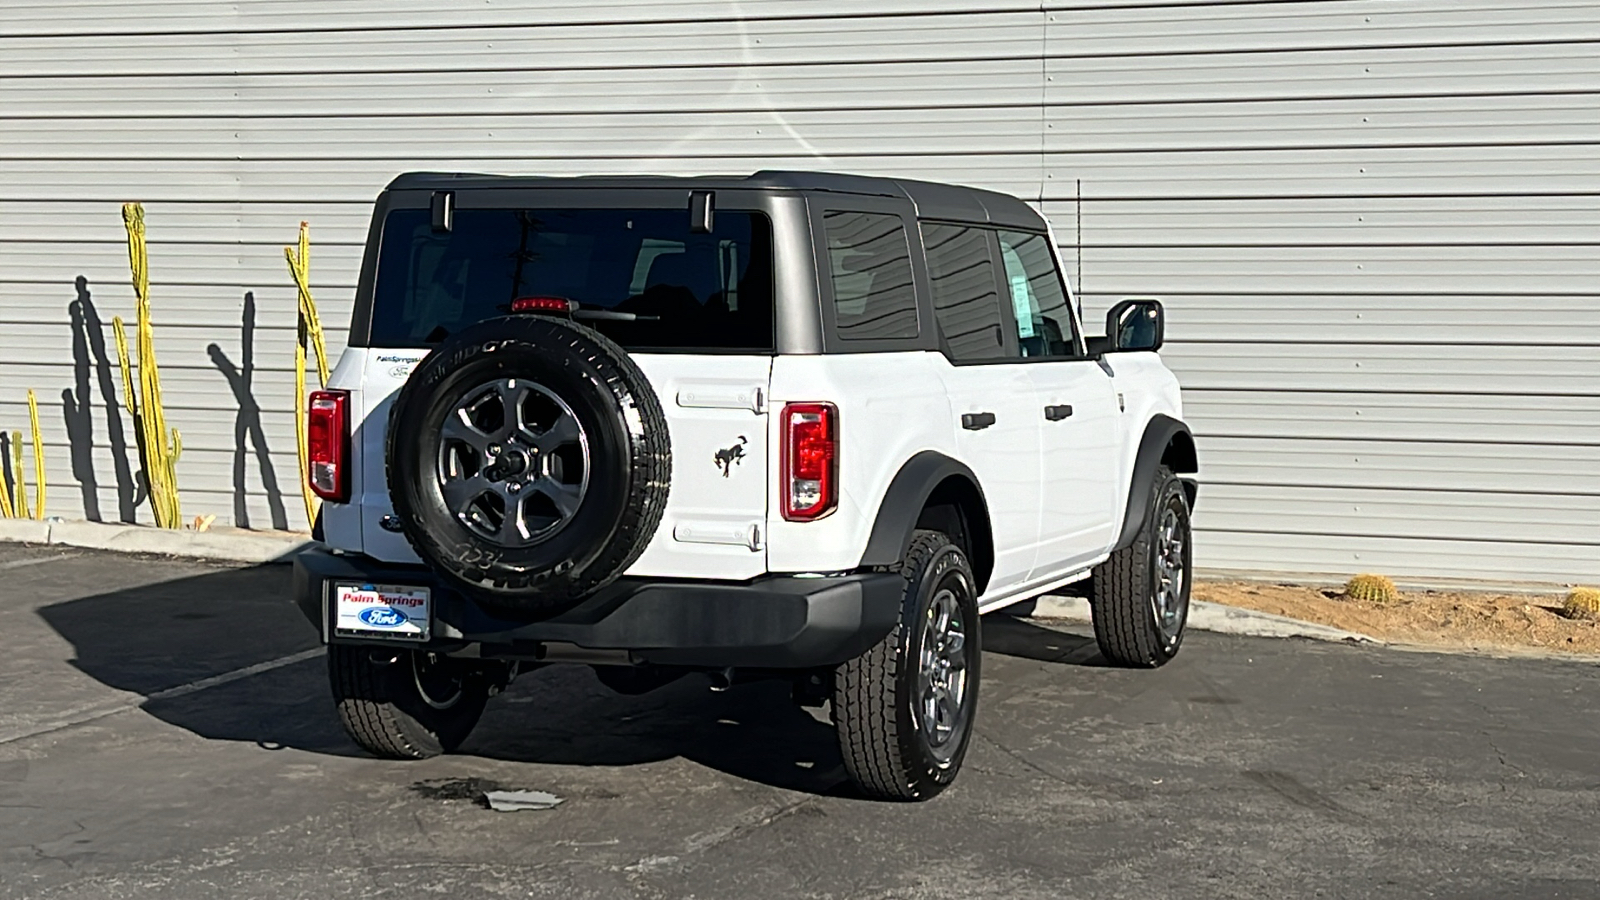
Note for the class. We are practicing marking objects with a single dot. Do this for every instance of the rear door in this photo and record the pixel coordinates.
(693, 307)
(991, 395)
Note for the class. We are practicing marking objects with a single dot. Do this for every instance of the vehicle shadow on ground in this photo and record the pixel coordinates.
(1010, 635)
(155, 638)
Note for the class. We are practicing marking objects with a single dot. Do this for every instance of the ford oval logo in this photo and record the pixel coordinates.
(382, 617)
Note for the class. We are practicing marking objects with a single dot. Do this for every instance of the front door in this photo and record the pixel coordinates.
(1075, 405)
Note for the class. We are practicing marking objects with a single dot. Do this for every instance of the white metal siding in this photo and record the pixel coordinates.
(1373, 221)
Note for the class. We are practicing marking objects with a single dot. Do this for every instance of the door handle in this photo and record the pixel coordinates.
(1057, 413)
(976, 421)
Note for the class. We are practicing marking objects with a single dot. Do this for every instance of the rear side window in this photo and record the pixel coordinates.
(870, 261)
(1038, 300)
(964, 300)
(639, 275)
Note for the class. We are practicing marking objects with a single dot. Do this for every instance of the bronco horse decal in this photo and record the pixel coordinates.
(727, 459)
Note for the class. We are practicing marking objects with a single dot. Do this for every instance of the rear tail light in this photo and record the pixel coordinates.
(810, 468)
(328, 445)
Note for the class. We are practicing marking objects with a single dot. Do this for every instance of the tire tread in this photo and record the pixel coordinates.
(1120, 599)
(371, 711)
(865, 697)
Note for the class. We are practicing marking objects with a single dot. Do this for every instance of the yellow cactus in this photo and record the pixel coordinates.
(1371, 589)
(309, 333)
(38, 458)
(1582, 603)
(162, 446)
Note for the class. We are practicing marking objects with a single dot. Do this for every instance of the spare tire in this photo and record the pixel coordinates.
(528, 462)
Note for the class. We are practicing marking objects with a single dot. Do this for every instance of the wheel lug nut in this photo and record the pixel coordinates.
(514, 487)
(494, 449)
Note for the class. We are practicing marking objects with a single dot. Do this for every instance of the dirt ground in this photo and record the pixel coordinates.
(1437, 618)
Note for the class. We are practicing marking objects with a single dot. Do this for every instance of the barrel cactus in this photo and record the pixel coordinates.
(1371, 589)
(1583, 603)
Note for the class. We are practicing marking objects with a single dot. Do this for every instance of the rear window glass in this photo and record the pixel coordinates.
(640, 276)
(870, 263)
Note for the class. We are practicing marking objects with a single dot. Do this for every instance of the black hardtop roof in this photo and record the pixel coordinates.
(932, 200)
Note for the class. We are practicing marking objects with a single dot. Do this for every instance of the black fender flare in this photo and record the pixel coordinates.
(903, 503)
(1159, 434)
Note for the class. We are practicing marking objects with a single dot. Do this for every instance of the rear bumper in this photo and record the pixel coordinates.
(775, 622)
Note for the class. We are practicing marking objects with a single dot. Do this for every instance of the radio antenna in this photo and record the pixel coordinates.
(1078, 278)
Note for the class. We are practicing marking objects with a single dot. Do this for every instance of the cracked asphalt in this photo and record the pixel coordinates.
(165, 731)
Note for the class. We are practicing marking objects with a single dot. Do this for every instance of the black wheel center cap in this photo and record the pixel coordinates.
(514, 461)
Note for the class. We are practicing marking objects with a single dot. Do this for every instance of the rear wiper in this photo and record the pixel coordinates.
(612, 315)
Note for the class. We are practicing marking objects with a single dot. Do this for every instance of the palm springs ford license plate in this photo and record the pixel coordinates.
(400, 613)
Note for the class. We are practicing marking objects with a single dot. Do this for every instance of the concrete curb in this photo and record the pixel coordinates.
(230, 544)
(1215, 617)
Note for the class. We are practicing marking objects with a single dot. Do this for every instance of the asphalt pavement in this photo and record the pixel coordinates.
(166, 731)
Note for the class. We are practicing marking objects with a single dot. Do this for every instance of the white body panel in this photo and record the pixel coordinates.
(890, 408)
(385, 372)
(1146, 388)
(715, 522)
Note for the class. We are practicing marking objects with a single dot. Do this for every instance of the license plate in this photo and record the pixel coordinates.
(396, 612)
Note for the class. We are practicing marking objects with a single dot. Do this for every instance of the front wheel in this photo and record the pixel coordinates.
(904, 709)
(1140, 597)
(406, 704)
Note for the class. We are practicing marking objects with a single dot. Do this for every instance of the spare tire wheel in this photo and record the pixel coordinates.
(528, 462)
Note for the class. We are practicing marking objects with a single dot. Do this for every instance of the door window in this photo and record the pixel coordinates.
(870, 264)
(1037, 296)
(965, 304)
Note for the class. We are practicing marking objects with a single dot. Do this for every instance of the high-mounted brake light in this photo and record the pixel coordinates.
(542, 304)
(809, 471)
(328, 445)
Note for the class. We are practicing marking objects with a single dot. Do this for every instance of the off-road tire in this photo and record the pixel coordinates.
(886, 752)
(1122, 595)
(383, 710)
(630, 463)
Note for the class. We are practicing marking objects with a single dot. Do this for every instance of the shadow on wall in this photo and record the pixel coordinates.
(7, 476)
(91, 363)
(247, 424)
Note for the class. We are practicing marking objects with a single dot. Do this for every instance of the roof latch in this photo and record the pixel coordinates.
(444, 210)
(700, 211)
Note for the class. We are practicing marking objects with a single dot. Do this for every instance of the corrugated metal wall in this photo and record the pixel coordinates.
(1374, 221)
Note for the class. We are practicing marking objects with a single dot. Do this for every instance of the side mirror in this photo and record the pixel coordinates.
(1137, 323)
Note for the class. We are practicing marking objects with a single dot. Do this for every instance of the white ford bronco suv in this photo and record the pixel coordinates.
(792, 425)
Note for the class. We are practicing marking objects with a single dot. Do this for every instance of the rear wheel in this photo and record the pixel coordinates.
(904, 709)
(1140, 596)
(406, 704)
